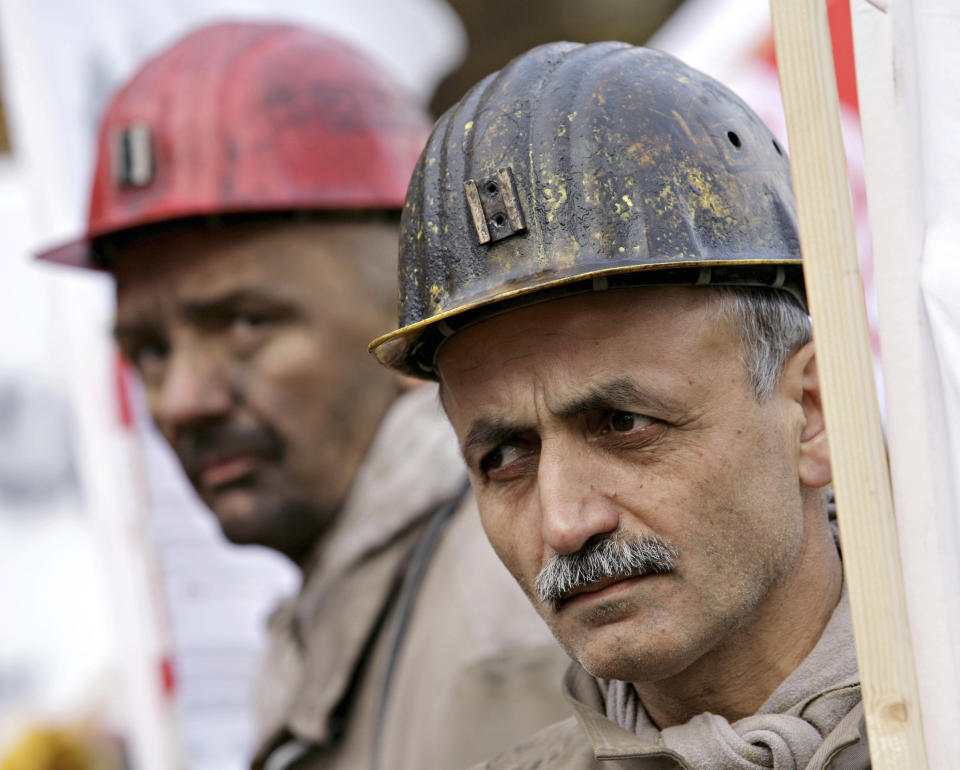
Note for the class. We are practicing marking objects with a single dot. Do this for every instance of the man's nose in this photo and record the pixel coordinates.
(573, 507)
(194, 388)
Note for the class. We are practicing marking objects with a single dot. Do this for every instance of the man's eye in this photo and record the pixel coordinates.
(243, 321)
(500, 457)
(625, 422)
(146, 352)
(248, 330)
(492, 460)
(149, 359)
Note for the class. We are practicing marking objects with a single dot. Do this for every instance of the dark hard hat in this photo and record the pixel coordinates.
(250, 117)
(584, 167)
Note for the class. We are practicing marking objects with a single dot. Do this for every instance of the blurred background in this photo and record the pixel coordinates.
(130, 629)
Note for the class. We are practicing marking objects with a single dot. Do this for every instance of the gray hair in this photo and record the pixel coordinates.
(773, 326)
(616, 555)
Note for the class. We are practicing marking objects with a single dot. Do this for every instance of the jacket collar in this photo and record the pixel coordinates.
(412, 467)
(585, 694)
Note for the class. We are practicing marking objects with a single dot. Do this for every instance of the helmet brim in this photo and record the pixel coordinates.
(75, 253)
(398, 349)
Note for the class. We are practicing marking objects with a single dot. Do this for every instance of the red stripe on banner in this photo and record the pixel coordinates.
(168, 676)
(841, 38)
(122, 374)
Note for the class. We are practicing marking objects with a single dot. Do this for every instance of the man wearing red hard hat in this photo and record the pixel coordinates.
(246, 199)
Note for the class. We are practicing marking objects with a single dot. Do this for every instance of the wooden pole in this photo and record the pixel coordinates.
(860, 473)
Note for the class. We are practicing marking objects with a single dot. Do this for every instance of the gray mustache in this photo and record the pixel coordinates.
(616, 555)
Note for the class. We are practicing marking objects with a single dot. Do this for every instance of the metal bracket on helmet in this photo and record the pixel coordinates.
(132, 157)
(493, 206)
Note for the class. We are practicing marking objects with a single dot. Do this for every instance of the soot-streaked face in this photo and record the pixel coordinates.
(618, 432)
(251, 343)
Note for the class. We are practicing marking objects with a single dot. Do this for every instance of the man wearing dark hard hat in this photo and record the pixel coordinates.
(246, 199)
(599, 263)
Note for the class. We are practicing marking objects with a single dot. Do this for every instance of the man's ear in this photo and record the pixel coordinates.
(814, 452)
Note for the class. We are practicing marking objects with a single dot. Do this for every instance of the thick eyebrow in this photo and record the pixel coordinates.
(199, 310)
(486, 432)
(622, 394)
(617, 395)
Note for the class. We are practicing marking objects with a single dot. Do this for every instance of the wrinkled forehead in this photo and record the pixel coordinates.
(326, 271)
(197, 261)
(656, 335)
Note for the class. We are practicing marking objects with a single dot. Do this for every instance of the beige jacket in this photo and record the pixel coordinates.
(476, 669)
(813, 721)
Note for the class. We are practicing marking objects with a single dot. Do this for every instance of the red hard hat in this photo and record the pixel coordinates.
(249, 117)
